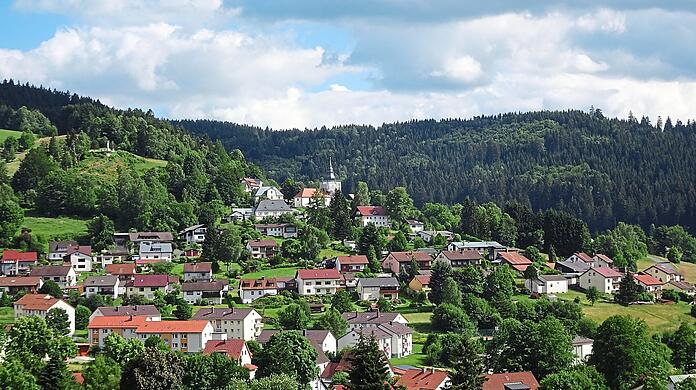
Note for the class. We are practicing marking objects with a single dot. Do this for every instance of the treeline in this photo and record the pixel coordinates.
(599, 169)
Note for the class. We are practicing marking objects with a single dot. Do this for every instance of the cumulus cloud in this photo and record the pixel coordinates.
(213, 59)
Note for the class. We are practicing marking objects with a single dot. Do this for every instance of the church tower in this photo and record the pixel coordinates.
(331, 185)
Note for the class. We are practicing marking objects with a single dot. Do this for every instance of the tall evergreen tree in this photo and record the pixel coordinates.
(440, 272)
(369, 366)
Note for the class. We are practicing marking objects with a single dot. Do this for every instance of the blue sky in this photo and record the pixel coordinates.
(308, 63)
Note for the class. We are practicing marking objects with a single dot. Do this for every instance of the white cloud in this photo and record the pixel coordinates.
(464, 68)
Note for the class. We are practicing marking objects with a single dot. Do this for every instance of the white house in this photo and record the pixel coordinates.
(236, 323)
(211, 293)
(149, 250)
(582, 348)
(262, 249)
(240, 214)
(457, 259)
(581, 257)
(606, 280)
(194, 234)
(58, 249)
(395, 339)
(267, 192)
(372, 289)
(39, 305)
(317, 281)
(649, 283)
(64, 275)
(183, 336)
(415, 226)
(253, 289)
(383, 339)
(107, 285)
(376, 215)
(80, 257)
(198, 272)
(547, 284)
(271, 208)
(372, 318)
(490, 247)
(304, 197)
(17, 263)
(251, 184)
(429, 235)
(284, 230)
(146, 285)
(354, 263)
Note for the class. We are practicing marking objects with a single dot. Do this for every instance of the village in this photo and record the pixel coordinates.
(163, 286)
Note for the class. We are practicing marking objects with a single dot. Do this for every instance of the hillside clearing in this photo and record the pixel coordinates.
(56, 228)
(4, 134)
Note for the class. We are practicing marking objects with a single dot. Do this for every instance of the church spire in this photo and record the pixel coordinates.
(332, 176)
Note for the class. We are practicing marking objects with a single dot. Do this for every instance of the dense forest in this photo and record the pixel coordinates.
(600, 169)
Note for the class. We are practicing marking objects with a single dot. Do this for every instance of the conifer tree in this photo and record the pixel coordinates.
(369, 366)
(55, 375)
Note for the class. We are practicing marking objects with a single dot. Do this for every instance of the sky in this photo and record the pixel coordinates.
(311, 63)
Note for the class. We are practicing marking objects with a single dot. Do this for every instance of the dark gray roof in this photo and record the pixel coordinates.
(61, 246)
(396, 328)
(552, 278)
(217, 285)
(101, 280)
(579, 266)
(210, 313)
(273, 205)
(379, 282)
(139, 310)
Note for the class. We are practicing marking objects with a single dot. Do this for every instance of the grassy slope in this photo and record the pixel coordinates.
(56, 228)
(4, 134)
(97, 164)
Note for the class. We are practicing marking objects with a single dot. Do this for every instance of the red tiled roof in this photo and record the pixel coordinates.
(422, 379)
(606, 272)
(648, 280)
(19, 281)
(36, 301)
(78, 378)
(232, 347)
(498, 381)
(10, 255)
(367, 211)
(584, 257)
(308, 193)
(116, 322)
(198, 267)
(464, 255)
(356, 259)
(258, 284)
(405, 257)
(120, 269)
(515, 258)
(151, 280)
(262, 243)
(190, 326)
(318, 274)
(423, 279)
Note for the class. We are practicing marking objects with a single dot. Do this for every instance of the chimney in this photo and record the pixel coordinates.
(377, 313)
(424, 370)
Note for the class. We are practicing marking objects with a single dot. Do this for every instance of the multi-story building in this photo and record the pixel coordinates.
(375, 215)
(317, 281)
(236, 323)
(40, 304)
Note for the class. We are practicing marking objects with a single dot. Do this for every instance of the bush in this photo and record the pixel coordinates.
(671, 295)
(693, 310)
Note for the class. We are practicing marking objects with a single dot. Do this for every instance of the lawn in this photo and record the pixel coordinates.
(56, 228)
(272, 273)
(107, 167)
(5, 134)
(329, 253)
(6, 315)
(416, 359)
(688, 269)
(420, 322)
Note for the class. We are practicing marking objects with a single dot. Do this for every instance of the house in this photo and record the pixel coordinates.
(490, 247)
(376, 215)
(420, 283)
(415, 226)
(305, 197)
(207, 292)
(511, 381)
(283, 230)
(366, 319)
(581, 257)
(674, 380)
(372, 289)
(606, 280)
(267, 193)
(271, 208)
(515, 260)
(16, 284)
(194, 234)
(251, 184)
(323, 339)
(183, 336)
(397, 261)
(236, 323)
(429, 235)
(317, 281)
(106, 285)
(354, 263)
(111, 256)
(39, 305)
(149, 250)
(600, 260)
(240, 214)
(683, 287)
(80, 257)
(198, 272)
(18, 263)
(253, 289)
(424, 379)
(457, 259)
(64, 275)
(547, 284)
(100, 327)
(572, 269)
(665, 272)
(124, 271)
(582, 348)
(149, 311)
(235, 349)
(649, 283)
(146, 285)
(262, 249)
(58, 249)
(138, 237)
(394, 338)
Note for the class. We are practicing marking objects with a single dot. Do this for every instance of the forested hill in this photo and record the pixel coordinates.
(600, 169)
